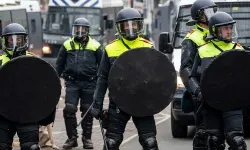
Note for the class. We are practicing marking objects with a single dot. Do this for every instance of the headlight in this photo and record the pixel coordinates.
(46, 50)
(179, 83)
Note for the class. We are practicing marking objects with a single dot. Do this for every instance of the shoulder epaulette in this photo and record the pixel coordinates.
(238, 44)
(191, 31)
(31, 53)
(146, 41)
(203, 44)
(113, 41)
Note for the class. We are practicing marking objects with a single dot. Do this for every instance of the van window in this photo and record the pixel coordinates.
(238, 10)
(5, 18)
(19, 16)
(181, 27)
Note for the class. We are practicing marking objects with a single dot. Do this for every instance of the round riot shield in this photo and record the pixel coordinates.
(30, 89)
(142, 82)
(225, 82)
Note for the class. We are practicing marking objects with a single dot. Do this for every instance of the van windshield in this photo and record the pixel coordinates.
(60, 19)
(238, 10)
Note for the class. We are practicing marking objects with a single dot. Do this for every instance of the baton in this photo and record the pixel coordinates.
(199, 109)
(85, 114)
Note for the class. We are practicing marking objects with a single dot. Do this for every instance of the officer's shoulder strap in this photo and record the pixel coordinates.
(238, 44)
(189, 34)
(191, 31)
(146, 41)
(203, 44)
(113, 41)
(30, 53)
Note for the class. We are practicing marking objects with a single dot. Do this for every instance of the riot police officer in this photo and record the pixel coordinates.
(201, 12)
(78, 63)
(220, 125)
(15, 44)
(129, 24)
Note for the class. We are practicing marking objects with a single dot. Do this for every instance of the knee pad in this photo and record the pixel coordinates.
(149, 143)
(30, 146)
(235, 140)
(215, 142)
(69, 110)
(200, 140)
(4, 146)
(113, 143)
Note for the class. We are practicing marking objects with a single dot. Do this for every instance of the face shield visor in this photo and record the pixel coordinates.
(15, 42)
(207, 13)
(227, 32)
(80, 32)
(130, 29)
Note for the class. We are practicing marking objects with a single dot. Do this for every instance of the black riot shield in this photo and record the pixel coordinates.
(142, 82)
(225, 82)
(30, 89)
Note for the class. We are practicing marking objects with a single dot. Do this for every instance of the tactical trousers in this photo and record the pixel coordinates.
(200, 138)
(81, 91)
(223, 125)
(117, 121)
(28, 134)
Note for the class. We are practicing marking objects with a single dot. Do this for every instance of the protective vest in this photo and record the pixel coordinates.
(4, 58)
(210, 50)
(92, 45)
(197, 35)
(119, 46)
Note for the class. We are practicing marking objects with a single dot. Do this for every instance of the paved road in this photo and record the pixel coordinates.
(130, 142)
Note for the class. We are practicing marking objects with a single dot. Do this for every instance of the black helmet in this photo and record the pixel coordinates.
(14, 39)
(201, 8)
(129, 23)
(221, 21)
(80, 29)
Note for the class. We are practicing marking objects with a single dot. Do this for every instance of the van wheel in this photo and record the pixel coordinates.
(178, 131)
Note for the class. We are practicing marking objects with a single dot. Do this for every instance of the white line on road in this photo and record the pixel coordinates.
(98, 126)
(135, 135)
(60, 109)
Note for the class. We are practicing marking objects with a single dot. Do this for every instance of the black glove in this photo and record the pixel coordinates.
(198, 95)
(95, 112)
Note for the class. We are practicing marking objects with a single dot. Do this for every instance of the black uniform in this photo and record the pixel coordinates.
(118, 119)
(78, 63)
(28, 133)
(220, 125)
(193, 40)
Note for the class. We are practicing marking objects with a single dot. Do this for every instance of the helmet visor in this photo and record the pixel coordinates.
(206, 13)
(209, 12)
(15, 41)
(227, 32)
(80, 31)
(130, 27)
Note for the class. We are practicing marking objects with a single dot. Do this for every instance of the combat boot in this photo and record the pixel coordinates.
(87, 143)
(70, 143)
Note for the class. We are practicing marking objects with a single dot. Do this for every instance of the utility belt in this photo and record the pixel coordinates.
(80, 78)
